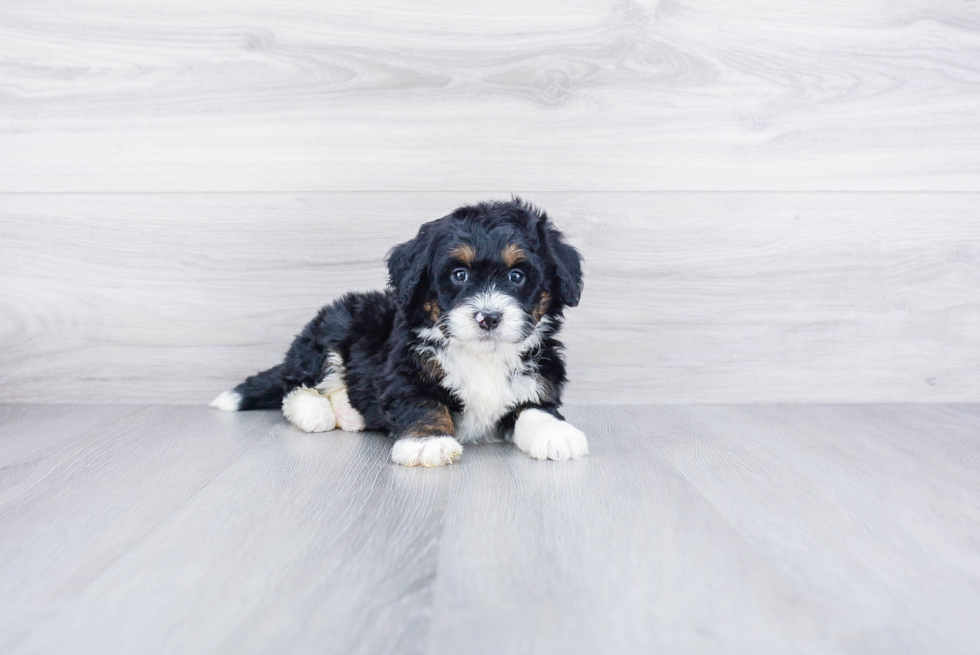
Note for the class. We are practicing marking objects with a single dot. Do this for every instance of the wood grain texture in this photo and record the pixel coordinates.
(556, 95)
(723, 297)
(151, 479)
(690, 529)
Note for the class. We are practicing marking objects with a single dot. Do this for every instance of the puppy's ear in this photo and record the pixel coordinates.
(407, 264)
(567, 262)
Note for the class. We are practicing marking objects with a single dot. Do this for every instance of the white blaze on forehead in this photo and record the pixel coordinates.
(493, 301)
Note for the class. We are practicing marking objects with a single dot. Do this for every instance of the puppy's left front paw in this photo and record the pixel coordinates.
(542, 436)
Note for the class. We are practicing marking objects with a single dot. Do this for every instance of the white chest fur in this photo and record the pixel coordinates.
(490, 383)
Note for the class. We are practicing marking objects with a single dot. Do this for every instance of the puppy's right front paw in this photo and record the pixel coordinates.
(426, 451)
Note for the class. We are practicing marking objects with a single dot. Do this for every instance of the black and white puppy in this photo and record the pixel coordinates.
(460, 348)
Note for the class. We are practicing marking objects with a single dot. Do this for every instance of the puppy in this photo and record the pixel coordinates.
(460, 348)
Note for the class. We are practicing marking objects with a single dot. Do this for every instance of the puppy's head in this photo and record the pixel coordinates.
(486, 274)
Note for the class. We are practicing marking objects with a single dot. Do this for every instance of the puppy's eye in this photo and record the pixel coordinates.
(517, 276)
(460, 275)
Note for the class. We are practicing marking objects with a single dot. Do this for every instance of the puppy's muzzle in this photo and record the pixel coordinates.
(488, 320)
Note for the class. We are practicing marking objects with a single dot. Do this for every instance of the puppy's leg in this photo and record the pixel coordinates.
(428, 439)
(542, 435)
(309, 410)
(348, 418)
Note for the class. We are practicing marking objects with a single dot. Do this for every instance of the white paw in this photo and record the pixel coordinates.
(308, 410)
(542, 436)
(426, 451)
(228, 401)
(348, 418)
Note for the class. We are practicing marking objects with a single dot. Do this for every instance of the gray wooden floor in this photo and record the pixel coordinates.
(751, 529)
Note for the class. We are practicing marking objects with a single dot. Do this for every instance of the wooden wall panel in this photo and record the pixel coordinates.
(689, 297)
(777, 201)
(179, 95)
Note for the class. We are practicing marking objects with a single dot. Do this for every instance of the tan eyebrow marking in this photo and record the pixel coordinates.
(464, 253)
(513, 254)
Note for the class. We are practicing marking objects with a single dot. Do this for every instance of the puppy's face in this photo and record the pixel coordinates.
(487, 274)
(490, 286)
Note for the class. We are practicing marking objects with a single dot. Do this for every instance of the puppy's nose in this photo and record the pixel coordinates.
(488, 320)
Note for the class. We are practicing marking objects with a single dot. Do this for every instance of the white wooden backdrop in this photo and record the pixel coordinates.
(777, 201)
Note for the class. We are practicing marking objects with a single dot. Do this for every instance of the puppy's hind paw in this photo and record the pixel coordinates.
(348, 418)
(426, 451)
(308, 410)
(542, 436)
